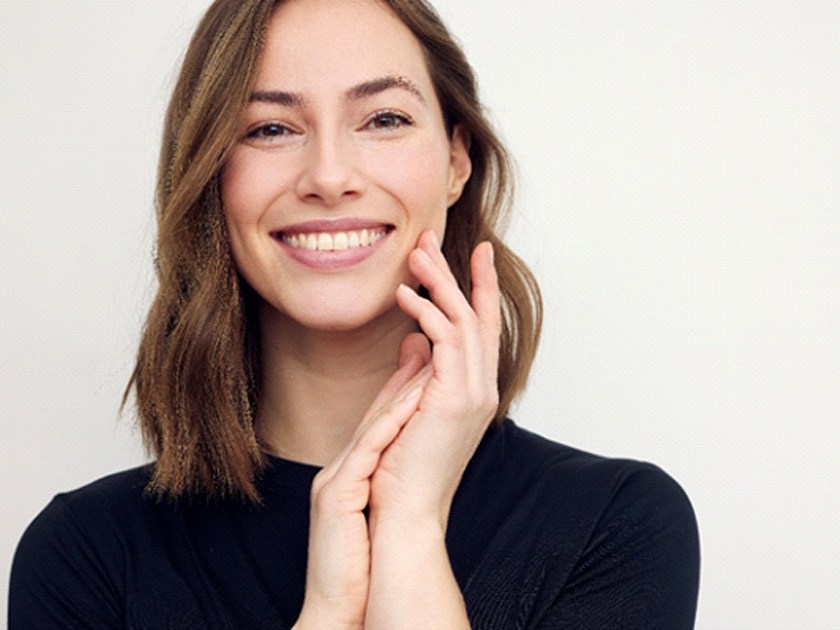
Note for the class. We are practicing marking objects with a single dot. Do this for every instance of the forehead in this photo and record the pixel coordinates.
(317, 44)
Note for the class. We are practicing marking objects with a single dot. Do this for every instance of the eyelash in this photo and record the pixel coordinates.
(402, 120)
(279, 130)
(257, 132)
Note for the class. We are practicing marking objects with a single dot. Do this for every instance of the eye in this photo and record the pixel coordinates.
(269, 132)
(388, 119)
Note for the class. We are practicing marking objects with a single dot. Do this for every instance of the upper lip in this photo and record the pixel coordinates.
(331, 225)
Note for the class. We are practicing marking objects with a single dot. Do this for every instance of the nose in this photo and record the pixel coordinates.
(330, 172)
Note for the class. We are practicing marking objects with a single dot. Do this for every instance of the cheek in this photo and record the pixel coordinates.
(246, 194)
(417, 176)
(253, 180)
(237, 196)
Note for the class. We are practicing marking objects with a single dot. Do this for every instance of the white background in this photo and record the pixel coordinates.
(679, 200)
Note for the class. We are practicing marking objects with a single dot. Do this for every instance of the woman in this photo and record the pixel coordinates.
(325, 385)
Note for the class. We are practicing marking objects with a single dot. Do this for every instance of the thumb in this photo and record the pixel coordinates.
(414, 343)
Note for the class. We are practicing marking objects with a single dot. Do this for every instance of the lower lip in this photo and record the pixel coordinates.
(335, 260)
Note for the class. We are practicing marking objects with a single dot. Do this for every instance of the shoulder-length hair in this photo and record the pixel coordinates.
(196, 380)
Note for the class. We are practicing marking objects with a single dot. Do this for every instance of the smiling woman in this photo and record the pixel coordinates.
(335, 140)
(326, 370)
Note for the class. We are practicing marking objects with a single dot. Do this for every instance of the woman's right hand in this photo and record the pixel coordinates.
(338, 566)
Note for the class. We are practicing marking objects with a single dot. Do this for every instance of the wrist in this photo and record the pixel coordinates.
(414, 527)
(320, 618)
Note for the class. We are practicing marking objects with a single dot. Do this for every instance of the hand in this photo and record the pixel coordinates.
(418, 474)
(412, 584)
(338, 568)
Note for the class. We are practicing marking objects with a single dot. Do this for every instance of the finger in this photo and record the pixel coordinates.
(453, 351)
(419, 378)
(415, 344)
(486, 296)
(442, 287)
(429, 243)
(410, 390)
(434, 323)
(363, 457)
(379, 414)
(408, 369)
(359, 460)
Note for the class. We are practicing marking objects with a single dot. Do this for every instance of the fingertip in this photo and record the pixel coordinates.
(484, 258)
(434, 241)
(429, 244)
(409, 301)
(409, 360)
(416, 344)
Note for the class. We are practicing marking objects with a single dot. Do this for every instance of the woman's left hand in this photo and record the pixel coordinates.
(420, 470)
(412, 584)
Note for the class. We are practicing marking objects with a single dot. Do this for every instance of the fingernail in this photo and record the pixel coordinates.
(492, 253)
(435, 240)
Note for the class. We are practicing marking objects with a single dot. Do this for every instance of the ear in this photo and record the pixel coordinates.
(460, 165)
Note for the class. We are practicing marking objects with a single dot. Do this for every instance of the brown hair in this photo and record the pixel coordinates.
(197, 373)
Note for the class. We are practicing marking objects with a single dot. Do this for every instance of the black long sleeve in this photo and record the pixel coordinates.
(540, 536)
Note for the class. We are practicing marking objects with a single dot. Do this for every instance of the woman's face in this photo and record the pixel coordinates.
(343, 161)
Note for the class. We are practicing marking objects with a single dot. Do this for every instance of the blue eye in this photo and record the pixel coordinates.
(388, 120)
(269, 132)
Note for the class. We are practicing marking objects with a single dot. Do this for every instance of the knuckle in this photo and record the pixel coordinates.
(461, 406)
(453, 337)
(325, 499)
(486, 402)
(367, 441)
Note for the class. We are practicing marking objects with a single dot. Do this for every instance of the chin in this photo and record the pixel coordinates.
(337, 322)
(340, 315)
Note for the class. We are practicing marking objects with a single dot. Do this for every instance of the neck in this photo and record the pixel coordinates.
(316, 385)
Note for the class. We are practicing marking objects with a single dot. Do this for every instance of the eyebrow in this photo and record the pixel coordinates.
(360, 91)
(369, 88)
(287, 99)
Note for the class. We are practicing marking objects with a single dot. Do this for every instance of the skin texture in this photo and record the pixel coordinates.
(388, 391)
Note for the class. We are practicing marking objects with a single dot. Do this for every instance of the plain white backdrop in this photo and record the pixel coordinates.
(679, 201)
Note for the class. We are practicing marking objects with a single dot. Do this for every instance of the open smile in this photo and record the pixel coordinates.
(334, 244)
(334, 241)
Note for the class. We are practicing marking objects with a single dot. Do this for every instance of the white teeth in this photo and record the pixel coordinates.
(334, 241)
(325, 242)
(341, 241)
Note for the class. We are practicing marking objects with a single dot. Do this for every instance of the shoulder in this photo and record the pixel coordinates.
(87, 514)
(93, 509)
(611, 540)
(607, 498)
(554, 494)
(93, 504)
(75, 550)
(600, 483)
(111, 492)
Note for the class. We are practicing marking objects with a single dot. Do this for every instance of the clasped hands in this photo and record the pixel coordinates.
(405, 461)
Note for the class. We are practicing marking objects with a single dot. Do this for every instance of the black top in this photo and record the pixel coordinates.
(540, 536)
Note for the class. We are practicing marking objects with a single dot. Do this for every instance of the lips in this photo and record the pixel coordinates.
(333, 241)
(332, 244)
